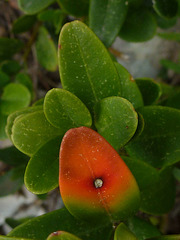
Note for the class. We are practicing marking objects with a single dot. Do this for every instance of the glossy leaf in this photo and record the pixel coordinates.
(16, 222)
(142, 229)
(64, 110)
(42, 171)
(46, 50)
(116, 120)
(166, 9)
(61, 235)
(165, 23)
(129, 88)
(157, 187)
(76, 8)
(13, 157)
(150, 90)
(14, 97)
(166, 237)
(139, 26)
(106, 18)
(122, 232)
(14, 115)
(61, 219)
(32, 131)
(3, 120)
(8, 47)
(25, 80)
(11, 181)
(144, 173)
(173, 36)
(174, 101)
(4, 79)
(95, 183)
(158, 144)
(176, 173)
(10, 67)
(159, 198)
(23, 23)
(86, 68)
(2, 237)
(33, 6)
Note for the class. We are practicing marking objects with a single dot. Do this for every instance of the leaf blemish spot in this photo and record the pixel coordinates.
(98, 183)
(59, 46)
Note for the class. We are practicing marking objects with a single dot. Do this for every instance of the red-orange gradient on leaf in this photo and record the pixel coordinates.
(94, 181)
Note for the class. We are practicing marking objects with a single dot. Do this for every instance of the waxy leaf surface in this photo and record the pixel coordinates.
(61, 235)
(122, 232)
(14, 115)
(142, 229)
(32, 131)
(166, 9)
(14, 97)
(46, 50)
(158, 144)
(33, 6)
(139, 26)
(106, 18)
(150, 90)
(129, 88)
(42, 171)
(116, 120)
(75, 8)
(64, 110)
(94, 181)
(86, 68)
(61, 219)
(12, 238)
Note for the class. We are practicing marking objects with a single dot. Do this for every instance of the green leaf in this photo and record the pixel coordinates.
(150, 90)
(144, 173)
(8, 47)
(165, 23)
(15, 96)
(140, 127)
(39, 102)
(2, 237)
(174, 101)
(106, 18)
(33, 6)
(46, 50)
(42, 171)
(61, 235)
(129, 88)
(122, 232)
(159, 197)
(174, 36)
(166, 9)
(11, 181)
(25, 80)
(23, 23)
(157, 187)
(10, 67)
(78, 8)
(16, 222)
(12, 156)
(139, 26)
(86, 68)
(3, 121)
(32, 131)
(4, 79)
(158, 144)
(64, 110)
(171, 65)
(61, 219)
(142, 229)
(176, 173)
(166, 237)
(116, 120)
(14, 115)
